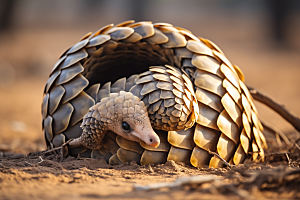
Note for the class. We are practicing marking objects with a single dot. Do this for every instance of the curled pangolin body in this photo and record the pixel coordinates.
(191, 80)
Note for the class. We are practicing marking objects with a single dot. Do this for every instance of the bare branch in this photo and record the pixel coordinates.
(224, 161)
(41, 160)
(54, 149)
(277, 131)
(296, 145)
(280, 109)
(288, 158)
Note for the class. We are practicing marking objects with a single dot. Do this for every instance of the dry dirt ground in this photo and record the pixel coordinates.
(275, 72)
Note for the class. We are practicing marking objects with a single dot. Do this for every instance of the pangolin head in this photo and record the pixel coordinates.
(126, 115)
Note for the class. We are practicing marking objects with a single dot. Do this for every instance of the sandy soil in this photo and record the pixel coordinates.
(275, 72)
(43, 177)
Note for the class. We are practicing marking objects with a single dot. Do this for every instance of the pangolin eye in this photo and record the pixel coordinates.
(125, 126)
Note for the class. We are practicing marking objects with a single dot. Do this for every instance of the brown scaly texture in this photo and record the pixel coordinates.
(169, 96)
(226, 119)
(107, 115)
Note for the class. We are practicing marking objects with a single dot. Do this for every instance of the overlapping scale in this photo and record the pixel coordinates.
(104, 91)
(93, 91)
(188, 35)
(180, 155)
(102, 153)
(73, 131)
(77, 150)
(73, 58)
(57, 64)
(120, 33)
(255, 150)
(232, 109)
(168, 84)
(98, 40)
(51, 80)
(208, 117)
(129, 145)
(58, 140)
(81, 104)
(45, 106)
(114, 160)
(69, 73)
(157, 38)
(144, 29)
(210, 99)
(209, 82)
(154, 97)
(133, 38)
(130, 82)
(110, 144)
(228, 126)
(182, 139)
(78, 46)
(208, 64)
(256, 121)
(211, 45)
(102, 30)
(118, 86)
(248, 95)
(247, 126)
(86, 36)
(258, 141)
(48, 127)
(245, 142)
(153, 157)
(128, 156)
(199, 48)
(55, 96)
(239, 155)
(210, 91)
(74, 87)
(61, 117)
(175, 39)
(215, 162)
(226, 147)
(234, 93)
(222, 58)
(200, 158)
(231, 76)
(183, 52)
(206, 138)
(263, 139)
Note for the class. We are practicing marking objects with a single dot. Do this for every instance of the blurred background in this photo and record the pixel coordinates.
(262, 37)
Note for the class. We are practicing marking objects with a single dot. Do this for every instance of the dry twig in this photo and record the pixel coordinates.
(54, 149)
(288, 158)
(280, 109)
(224, 161)
(297, 146)
(277, 132)
(295, 143)
(41, 160)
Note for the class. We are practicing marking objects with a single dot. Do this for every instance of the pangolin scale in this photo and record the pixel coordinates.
(196, 99)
